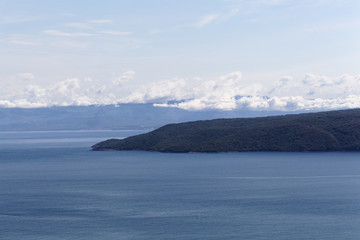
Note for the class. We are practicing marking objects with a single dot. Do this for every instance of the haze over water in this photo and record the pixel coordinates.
(53, 187)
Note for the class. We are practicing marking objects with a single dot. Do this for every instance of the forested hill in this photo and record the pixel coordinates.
(323, 131)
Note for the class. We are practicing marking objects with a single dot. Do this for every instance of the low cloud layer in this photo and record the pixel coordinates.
(228, 92)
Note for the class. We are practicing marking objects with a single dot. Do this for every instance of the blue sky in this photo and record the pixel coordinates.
(278, 53)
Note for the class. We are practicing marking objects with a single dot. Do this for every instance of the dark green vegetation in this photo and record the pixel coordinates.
(324, 131)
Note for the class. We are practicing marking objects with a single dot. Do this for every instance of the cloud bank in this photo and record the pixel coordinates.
(228, 92)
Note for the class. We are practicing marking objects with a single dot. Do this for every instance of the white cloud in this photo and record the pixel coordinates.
(154, 31)
(313, 86)
(13, 19)
(228, 92)
(118, 33)
(19, 39)
(35, 94)
(210, 18)
(22, 42)
(7, 104)
(70, 43)
(262, 2)
(271, 2)
(26, 76)
(125, 77)
(67, 34)
(206, 20)
(79, 25)
(220, 93)
(233, 12)
(23, 103)
(174, 89)
(101, 21)
(69, 92)
(67, 86)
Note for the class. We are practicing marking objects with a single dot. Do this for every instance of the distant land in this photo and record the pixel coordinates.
(110, 117)
(323, 131)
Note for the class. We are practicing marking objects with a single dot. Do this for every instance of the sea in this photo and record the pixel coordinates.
(53, 187)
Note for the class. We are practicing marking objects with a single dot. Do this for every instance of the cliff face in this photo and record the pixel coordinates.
(323, 131)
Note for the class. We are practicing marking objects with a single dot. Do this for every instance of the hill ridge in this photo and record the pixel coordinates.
(323, 131)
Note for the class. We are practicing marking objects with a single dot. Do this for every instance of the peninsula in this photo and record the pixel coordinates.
(322, 131)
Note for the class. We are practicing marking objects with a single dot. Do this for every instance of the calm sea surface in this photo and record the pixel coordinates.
(53, 187)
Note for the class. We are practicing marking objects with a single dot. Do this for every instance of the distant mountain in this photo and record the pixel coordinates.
(122, 116)
(323, 131)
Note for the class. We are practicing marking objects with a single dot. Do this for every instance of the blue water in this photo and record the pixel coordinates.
(53, 187)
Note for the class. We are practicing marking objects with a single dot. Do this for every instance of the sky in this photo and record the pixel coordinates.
(191, 54)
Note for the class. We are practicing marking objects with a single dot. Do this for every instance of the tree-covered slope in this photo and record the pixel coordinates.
(324, 131)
